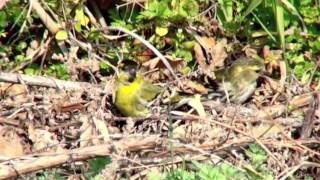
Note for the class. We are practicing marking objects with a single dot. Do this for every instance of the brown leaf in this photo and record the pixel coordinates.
(176, 63)
(92, 65)
(10, 145)
(213, 57)
(200, 58)
(101, 126)
(88, 132)
(266, 131)
(145, 56)
(42, 138)
(62, 107)
(193, 87)
(10, 149)
(272, 58)
(16, 92)
(300, 101)
(219, 53)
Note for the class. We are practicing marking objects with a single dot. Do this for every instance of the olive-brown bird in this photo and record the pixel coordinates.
(239, 81)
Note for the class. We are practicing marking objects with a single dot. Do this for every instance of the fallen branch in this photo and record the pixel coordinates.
(32, 163)
(45, 18)
(42, 81)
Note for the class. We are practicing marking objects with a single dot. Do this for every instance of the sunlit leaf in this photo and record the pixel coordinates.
(162, 31)
(81, 18)
(195, 102)
(61, 35)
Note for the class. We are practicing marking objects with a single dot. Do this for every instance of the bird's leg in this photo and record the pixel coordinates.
(225, 91)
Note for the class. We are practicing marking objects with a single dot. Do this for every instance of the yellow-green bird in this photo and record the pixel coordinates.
(133, 94)
(240, 79)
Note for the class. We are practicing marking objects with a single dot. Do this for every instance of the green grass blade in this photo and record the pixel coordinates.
(294, 12)
(278, 12)
(253, 4)
(226, 7)
(264, 27)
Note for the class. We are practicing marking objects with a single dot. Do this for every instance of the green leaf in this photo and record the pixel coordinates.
(61, 35)
(161, 31)
(298, 59)
(81, 18)
(188, 45)
(154, 175)
(3, 19)
(33, 69)
(58, 70)
(185, 54)
(78, 27)
(21, 46)
(98, 164)
(20, 58)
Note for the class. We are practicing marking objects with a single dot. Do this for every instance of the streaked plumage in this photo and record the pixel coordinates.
(240, 79)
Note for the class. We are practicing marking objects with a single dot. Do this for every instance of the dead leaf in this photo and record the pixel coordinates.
(101, 126)
(88, 133)
(10, 143)
(200, 58)
(144, 56)
(214, 56)
(10, 149)
(195, 102)
(179, 132)
(272, 58)
(176, 63)
(16, 92)
(42, 139)
(193, 87)
(274, 84)
(219, 53)
(210, 42)
(266, 130)
(92, 65)
(207, 44)
(300, 101)
(272, 111)
(61, 107)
